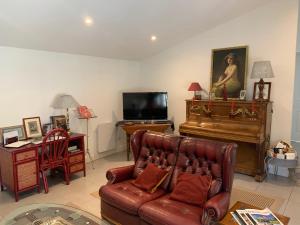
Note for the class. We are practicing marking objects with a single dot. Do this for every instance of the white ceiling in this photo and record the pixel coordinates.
(121, 29)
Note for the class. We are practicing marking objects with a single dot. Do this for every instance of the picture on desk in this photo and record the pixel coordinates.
(33, 128)
(46, 128)
(19, 129)
(59, 122)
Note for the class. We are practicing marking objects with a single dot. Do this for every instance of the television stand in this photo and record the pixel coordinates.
(130, 127)
(122, 122)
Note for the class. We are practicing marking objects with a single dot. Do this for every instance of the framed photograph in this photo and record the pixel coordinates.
(229, 71)
(33, 128)
(46, 128)
(18, 128)
(59, 122)
(266, 91)
(212, 96)
(242, 94)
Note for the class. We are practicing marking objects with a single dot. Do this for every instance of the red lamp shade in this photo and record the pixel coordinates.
(195, 86)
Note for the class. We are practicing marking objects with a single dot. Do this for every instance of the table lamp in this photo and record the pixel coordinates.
(261, 69)
(195, 86)
(65, 101)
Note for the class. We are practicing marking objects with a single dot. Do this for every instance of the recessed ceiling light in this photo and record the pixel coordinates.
(153, 38)
(88, 21)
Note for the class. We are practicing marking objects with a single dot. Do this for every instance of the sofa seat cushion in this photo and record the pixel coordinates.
(165, 211)
(127, 197)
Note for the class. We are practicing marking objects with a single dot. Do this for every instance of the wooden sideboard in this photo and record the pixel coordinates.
(246, 123)
(19, 167)
(77, 158)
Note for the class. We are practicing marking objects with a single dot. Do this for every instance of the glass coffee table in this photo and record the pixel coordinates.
(51, 214)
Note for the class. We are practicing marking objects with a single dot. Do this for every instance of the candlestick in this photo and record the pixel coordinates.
(232, 106)
(224, 93)
(253, 107)
(209, 104)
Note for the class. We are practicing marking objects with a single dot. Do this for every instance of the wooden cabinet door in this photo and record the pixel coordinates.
(27, 175)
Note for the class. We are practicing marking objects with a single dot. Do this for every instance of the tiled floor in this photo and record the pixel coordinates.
(80, 189)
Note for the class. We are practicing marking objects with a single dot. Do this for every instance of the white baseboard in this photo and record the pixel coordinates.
(109, 152)
(99, 155)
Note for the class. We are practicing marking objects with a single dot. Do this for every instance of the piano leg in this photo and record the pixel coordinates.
(261, 153)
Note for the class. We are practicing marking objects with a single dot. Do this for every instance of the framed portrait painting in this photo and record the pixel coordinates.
(229, 71)
(33, 128)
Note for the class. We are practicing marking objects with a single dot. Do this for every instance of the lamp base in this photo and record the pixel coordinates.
(261, 85)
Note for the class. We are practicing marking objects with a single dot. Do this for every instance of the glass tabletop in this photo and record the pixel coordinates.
(51, 214)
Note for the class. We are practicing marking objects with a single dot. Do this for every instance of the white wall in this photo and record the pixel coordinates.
(30, 80)
(296, 103)
(269, 31)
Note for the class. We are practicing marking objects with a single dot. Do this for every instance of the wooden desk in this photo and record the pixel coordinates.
(229, 220)
(130, 128)
(19, 167)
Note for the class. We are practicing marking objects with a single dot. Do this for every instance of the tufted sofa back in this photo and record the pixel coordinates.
(206, 157)
(153, 147)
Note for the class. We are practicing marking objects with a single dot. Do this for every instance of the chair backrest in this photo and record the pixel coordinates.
(206, 157)
(153, 147)
(55, 146)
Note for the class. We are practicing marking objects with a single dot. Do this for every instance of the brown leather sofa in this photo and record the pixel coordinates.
(123, 203)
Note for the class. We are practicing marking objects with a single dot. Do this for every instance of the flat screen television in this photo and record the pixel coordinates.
(145, 106)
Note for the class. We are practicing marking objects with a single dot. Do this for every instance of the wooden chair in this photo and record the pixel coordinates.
(54, 154)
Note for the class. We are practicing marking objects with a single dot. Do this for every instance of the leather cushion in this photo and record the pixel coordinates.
(192, 189)
(165, 211)
(201, 157)
(150, 177)
(127, 197)
(159, 149)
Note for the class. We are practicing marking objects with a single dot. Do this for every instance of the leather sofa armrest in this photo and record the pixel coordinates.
(119, 174)
(216, 208)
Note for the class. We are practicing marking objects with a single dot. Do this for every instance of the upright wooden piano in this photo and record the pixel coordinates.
(247, 123)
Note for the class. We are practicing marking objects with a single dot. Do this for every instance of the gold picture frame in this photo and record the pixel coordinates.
(221, 68)
(33, 127)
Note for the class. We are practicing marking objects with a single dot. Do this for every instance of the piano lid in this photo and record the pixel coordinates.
(229, 130)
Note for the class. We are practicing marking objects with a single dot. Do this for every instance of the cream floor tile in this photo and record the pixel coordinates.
(283, 190)
(243, 181)
(292, 210)
(295, 196)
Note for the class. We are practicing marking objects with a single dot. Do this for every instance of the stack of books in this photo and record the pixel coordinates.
(73, 148)
(255, 217)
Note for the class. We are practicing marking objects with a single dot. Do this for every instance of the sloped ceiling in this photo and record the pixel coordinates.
(121, 28)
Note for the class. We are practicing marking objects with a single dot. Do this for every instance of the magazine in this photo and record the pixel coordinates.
(264, 217)
(255, 217)
(245, 218)
(237, 218)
